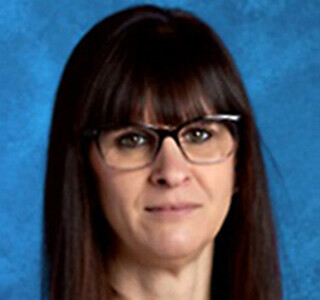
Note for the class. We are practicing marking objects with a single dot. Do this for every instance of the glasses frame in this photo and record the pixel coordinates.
(162, 132)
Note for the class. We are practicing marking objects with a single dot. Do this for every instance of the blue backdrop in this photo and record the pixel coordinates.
(276, 45)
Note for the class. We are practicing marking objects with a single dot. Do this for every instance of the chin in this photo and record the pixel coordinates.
(179, 247)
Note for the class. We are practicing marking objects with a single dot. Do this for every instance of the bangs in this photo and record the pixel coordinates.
(160, 102)
(164, 70)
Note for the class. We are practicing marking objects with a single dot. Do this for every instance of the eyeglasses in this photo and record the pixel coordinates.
(204, 140)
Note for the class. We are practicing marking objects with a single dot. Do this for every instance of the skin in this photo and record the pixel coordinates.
(170, 256)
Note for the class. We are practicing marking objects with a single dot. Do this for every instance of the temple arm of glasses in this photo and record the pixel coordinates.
(223, 117)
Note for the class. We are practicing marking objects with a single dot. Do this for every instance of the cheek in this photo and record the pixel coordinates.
(116, 203)
(217, 182)
(118, 197)
(117, 191)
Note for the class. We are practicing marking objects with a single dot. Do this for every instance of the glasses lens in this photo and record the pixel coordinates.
(128, 147)
(207, 141)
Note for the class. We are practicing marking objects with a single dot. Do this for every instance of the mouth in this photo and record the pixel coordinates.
(171, 210)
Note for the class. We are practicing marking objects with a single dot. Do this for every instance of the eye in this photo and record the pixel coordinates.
(197, 135)
(131, 140)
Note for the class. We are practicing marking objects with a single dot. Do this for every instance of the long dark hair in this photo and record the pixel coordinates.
(175, 61)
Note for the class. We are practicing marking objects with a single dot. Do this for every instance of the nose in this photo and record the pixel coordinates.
(170, 168)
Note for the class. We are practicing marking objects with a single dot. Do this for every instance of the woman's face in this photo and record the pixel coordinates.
(169, 209)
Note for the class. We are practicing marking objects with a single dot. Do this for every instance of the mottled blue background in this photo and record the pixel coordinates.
(276, 45)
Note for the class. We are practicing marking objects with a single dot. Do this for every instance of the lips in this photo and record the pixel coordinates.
(172, 207)
(171, 211)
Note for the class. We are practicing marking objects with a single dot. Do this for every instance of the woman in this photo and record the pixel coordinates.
(155, 184)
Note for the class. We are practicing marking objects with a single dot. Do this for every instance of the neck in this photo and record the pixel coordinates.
(132, 280)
